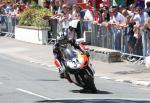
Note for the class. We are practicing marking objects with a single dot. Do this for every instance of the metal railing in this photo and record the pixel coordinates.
(112, 37)
(116, 39)
(7, 25)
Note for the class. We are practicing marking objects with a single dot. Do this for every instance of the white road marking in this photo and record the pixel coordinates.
(34, 94)
(123, 99)
(37, 95)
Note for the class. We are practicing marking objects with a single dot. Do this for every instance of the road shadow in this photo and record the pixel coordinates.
(93, 101)
(86, 92)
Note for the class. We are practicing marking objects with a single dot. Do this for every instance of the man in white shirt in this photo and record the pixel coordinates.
(88, 14)
(117, 19)
(140, 16)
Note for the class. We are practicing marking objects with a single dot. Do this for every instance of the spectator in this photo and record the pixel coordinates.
(121, 8)
(2, 13)
(125, 13)
(117, 19)
(140, 3)
(2, 9)
(95, 3)
(96, 16)
(56, 7)
(79, 1)
(70, 2)
(8, 8)
(147, 9)
(14, 10)
(140, 16)
(76, 12)
(129, 34)
(48, 2)
(146, 38)
(129, 2)
(138, 45)
(106, 3)
(27, 6)
(66, 17)
(104, 14)
(131, 10)
(118, 2)
(88, 14)
(147, 25)
(75, 27)
(21, 7)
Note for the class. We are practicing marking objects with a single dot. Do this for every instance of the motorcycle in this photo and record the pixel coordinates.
(78, 69)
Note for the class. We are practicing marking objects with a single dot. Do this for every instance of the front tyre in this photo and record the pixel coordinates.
(88, 81)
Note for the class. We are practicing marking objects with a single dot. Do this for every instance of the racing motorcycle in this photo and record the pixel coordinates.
(78, 69)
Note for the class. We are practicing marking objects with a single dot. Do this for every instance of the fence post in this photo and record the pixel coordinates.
(93, 34)
(97, 42)
(144, 41)
(104, 36)
(122, 40)
(0, 29)
(81, 27)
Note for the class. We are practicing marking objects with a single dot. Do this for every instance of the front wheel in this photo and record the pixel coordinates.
(88, 81)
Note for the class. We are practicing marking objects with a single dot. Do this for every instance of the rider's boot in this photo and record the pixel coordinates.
(61, 73)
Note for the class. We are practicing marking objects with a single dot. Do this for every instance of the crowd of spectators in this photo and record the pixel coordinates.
(130, 17)
(12, 9)
(9, 14)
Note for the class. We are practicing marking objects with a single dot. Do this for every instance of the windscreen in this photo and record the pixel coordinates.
(70, 53)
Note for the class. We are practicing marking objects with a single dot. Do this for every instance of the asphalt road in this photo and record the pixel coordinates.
(25, 82)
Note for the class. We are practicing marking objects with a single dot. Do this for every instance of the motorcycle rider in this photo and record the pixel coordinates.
(62, 40)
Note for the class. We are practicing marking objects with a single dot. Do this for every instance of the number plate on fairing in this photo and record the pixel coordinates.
(73, 64)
